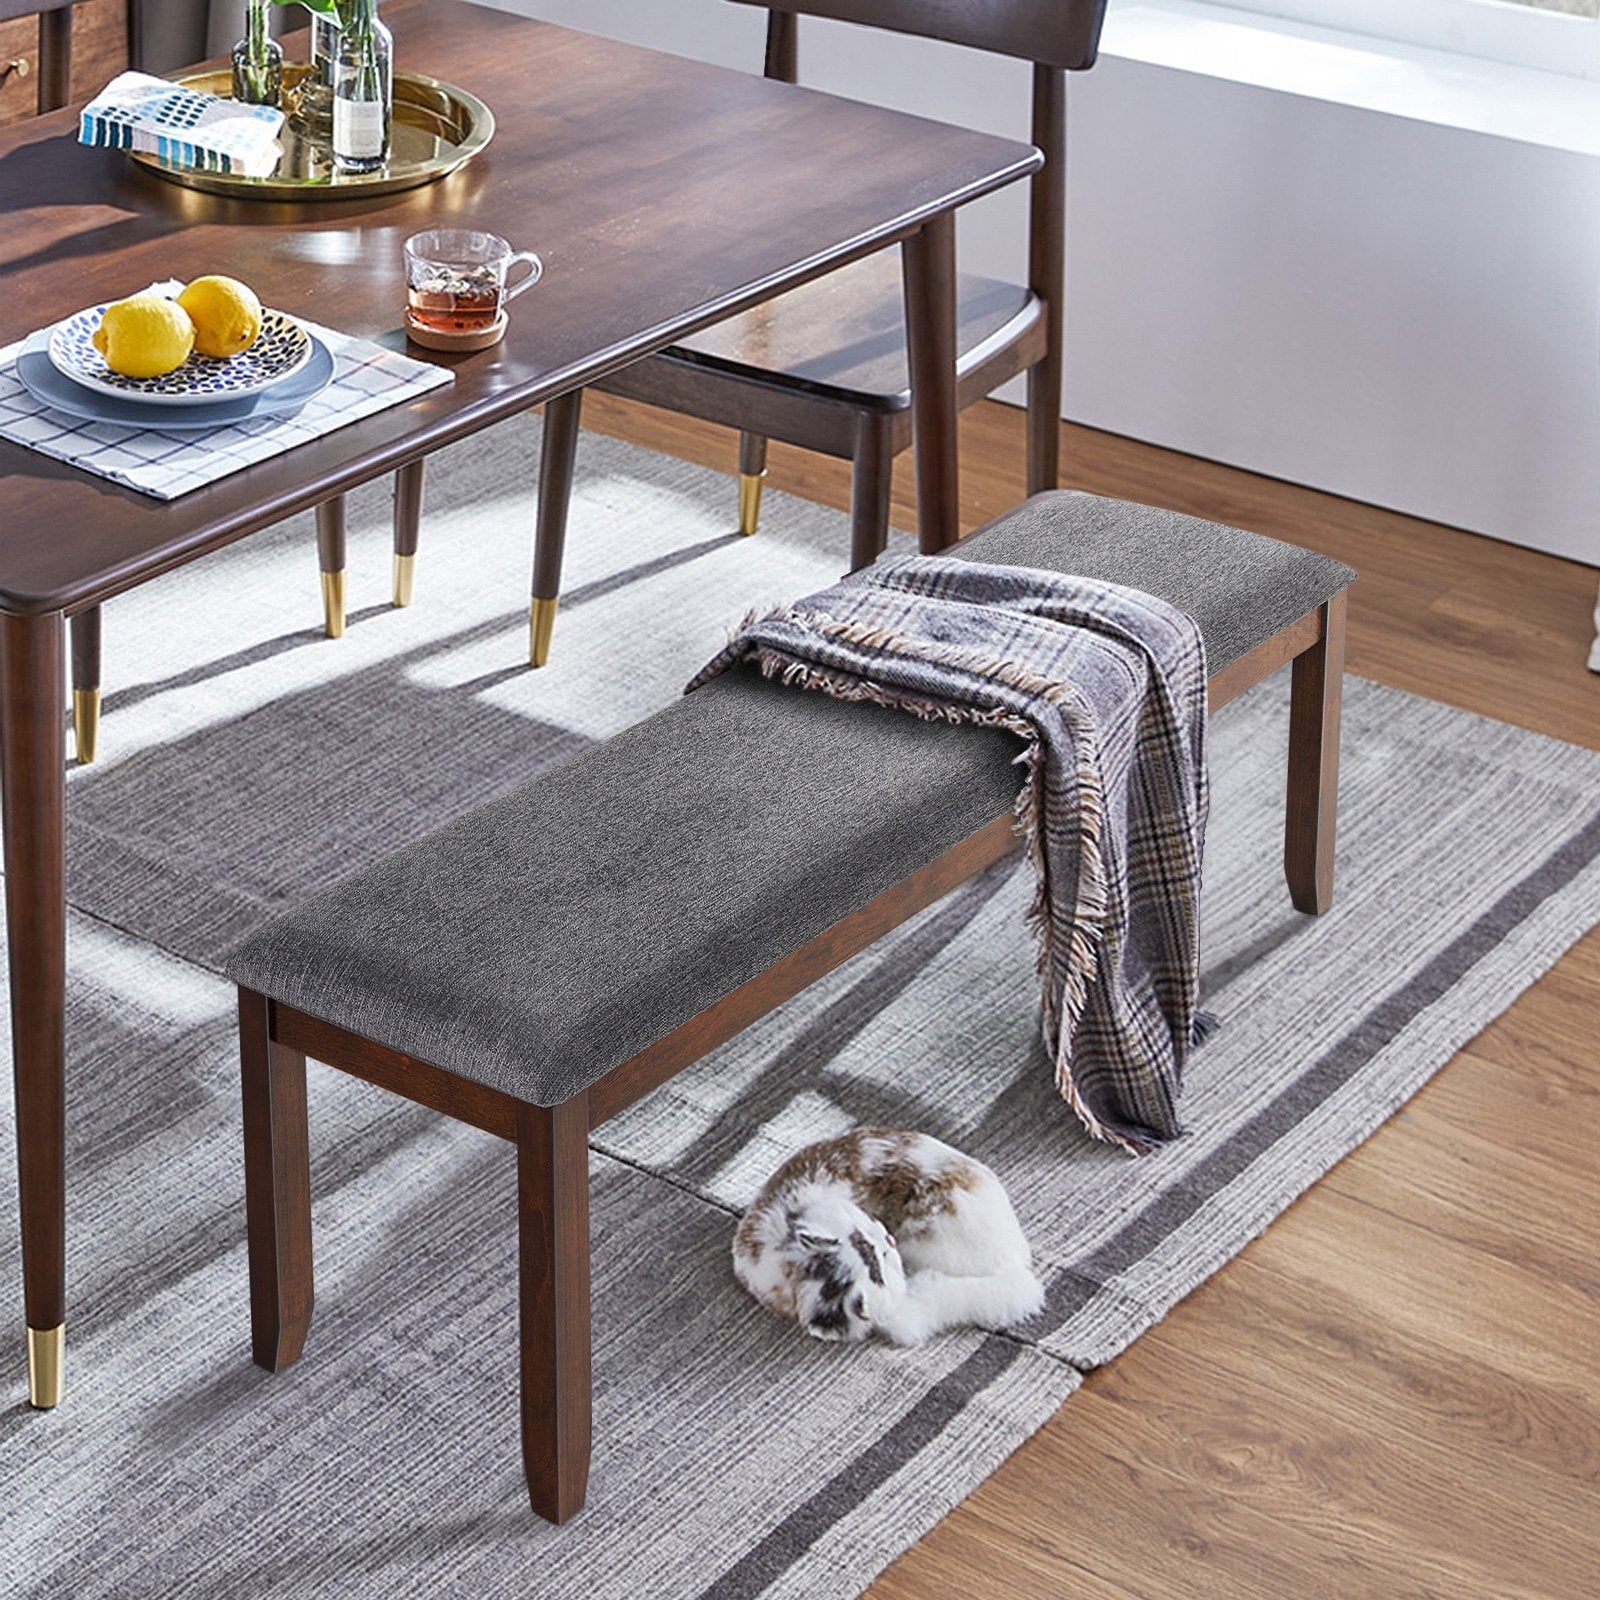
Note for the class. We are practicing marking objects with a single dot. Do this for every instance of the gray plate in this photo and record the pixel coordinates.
(60, 393)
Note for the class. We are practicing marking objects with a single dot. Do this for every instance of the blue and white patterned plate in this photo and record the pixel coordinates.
(60, 393)
(281, 350)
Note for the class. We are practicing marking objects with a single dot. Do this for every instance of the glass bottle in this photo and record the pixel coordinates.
(257, 60)
(316, 89)
(363, 88)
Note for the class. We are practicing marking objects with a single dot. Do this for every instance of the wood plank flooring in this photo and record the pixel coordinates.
(1395, 1392)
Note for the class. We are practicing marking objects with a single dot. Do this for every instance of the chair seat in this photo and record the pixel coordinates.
(556, 932)
(844, 335)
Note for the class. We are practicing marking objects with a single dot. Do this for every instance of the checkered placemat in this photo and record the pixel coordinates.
(366, 378)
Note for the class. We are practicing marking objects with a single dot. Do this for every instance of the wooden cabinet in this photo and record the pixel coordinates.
(99, 50)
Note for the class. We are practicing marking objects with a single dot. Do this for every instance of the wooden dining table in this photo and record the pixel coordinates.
(661, 193)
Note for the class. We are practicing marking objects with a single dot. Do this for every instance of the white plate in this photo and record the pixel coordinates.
(281, 350)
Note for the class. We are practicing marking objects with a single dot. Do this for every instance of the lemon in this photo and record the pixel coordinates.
(144, 336)
(225, 313)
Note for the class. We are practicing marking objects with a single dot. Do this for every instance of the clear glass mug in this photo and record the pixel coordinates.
(456, 278)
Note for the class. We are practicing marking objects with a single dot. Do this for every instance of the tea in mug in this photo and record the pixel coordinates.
(455, 299)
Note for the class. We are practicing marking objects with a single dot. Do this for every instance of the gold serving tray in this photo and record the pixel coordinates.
(435, 129)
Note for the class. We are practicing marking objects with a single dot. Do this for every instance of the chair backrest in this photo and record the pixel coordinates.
(1057, 36)
(55, 45)
(1050, 33)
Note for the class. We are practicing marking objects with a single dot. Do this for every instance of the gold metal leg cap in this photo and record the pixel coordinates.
(333, 604)
(750, 486)
(405, 572)
(541, 624)
(86, 723)
(44, 1366)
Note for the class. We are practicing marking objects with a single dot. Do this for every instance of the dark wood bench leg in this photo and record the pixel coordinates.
(330, 557)
(553, 1233)
(557, 459)
(1314, 703)
(407, 527)
(277, 1184)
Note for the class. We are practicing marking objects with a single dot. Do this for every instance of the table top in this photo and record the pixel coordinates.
(662, 194)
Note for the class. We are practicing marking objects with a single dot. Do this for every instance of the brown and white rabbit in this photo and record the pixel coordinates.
(886, 1232)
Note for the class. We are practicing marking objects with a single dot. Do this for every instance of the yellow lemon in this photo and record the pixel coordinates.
(144, 336)
(225, 313)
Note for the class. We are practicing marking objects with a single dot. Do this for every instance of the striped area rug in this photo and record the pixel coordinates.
(247, 761)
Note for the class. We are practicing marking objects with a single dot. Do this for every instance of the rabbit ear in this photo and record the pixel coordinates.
(817, 1241)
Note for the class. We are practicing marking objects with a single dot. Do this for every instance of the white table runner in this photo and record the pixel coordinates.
(366, 378)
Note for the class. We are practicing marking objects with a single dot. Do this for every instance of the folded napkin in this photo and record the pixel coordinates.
(138, 112)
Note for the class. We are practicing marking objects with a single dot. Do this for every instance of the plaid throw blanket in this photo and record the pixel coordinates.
(1107, 686)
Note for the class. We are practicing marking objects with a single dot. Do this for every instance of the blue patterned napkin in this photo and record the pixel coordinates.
(137, 112)
(366, 378)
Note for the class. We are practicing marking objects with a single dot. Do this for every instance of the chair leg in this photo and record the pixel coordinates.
(553, 1255)
(407, 528)
(330, 557)
(872, 479)
(752, 479)
(1314, 703)
(277, 1183)
(85, 628)
(556, 461)
(1044, 423)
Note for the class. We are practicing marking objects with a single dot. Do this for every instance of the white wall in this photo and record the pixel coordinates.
(1396, 306)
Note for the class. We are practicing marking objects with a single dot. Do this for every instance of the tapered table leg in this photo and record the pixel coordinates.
(752, 479)
(558, 457)
(330, 557)
(407, 528)
(85, 632)
(928, 262)
(32, 801)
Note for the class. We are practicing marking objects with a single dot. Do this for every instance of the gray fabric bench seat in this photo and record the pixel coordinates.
(540, 941)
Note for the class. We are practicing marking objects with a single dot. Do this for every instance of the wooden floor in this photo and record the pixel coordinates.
(1396, 1391)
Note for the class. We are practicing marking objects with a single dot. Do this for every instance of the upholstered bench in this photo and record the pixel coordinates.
(539, 964)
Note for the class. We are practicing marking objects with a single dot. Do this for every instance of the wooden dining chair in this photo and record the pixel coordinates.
(825, 367)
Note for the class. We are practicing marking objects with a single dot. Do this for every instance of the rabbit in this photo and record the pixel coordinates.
(887, 1233)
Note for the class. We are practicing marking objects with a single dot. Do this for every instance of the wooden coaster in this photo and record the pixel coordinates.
(438, 339)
